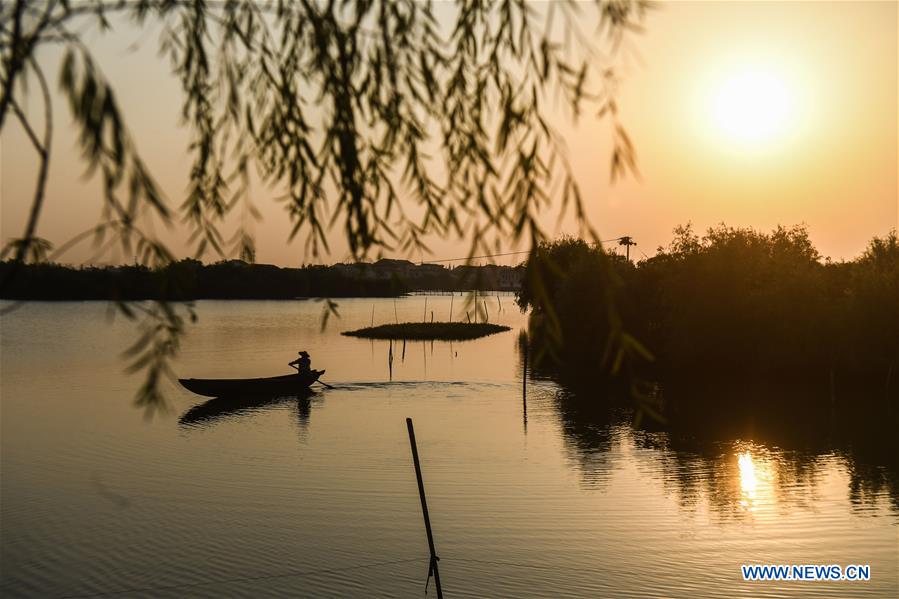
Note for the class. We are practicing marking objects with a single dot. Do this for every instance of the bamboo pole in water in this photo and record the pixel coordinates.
(524, 380)
(432, 567)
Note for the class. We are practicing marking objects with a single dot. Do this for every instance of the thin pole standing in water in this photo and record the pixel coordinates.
(432, 567)
(524, 383)
(452, 297)
(424, 316)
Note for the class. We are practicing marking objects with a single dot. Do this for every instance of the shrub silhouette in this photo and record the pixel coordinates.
(735, 308)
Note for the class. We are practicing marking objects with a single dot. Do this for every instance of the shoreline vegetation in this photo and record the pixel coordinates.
(736, 322)
(428, 331)
(235, 279)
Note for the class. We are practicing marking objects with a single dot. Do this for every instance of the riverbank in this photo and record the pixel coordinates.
(235, 279)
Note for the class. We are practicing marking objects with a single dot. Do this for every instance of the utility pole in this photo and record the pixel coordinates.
(627, 242)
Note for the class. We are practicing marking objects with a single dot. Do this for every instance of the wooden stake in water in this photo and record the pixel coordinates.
(432, 568)
(424, 316)
(524, 382)
(452, 297)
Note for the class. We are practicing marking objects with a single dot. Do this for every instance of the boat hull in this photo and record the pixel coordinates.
(289, 384)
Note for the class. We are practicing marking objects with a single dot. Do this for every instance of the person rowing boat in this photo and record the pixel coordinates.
(303, 363)
(288, 384)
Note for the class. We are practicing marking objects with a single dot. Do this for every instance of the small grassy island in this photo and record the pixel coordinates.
(442, 331)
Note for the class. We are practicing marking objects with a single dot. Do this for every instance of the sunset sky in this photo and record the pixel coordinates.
(751, 113)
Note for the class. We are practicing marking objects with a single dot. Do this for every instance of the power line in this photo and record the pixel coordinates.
(506, 253)
(476, 257)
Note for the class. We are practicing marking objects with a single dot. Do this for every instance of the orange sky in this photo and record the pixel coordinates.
(750, 113)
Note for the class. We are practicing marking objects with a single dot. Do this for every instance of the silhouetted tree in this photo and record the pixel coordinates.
(735, 309)
(344, 106)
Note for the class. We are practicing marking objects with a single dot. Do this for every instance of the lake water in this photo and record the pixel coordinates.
(317, 497)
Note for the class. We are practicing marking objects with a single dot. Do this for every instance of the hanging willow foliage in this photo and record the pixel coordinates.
(396, 120)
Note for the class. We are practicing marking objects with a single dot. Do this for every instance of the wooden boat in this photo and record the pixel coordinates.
(289, 384)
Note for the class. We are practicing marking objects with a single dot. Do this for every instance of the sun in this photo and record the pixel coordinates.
(752, 106)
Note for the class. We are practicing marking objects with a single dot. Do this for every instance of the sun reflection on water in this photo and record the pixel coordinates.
(748, 480)
(755, 478)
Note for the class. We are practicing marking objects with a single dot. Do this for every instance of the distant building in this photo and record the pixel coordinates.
(436, 276)
(489, 276)
(355, 270)
(430, 270)
(510, 278)
(387, 268)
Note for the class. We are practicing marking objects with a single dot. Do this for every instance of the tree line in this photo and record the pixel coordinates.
(735, 309)
(190, 279)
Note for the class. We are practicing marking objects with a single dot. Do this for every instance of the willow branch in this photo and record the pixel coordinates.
(23, 120)
(13, 61)
(41, 183)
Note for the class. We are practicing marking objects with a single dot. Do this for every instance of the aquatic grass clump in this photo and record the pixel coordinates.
(441, 331)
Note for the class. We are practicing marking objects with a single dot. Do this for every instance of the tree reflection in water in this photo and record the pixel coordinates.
(740, 466)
